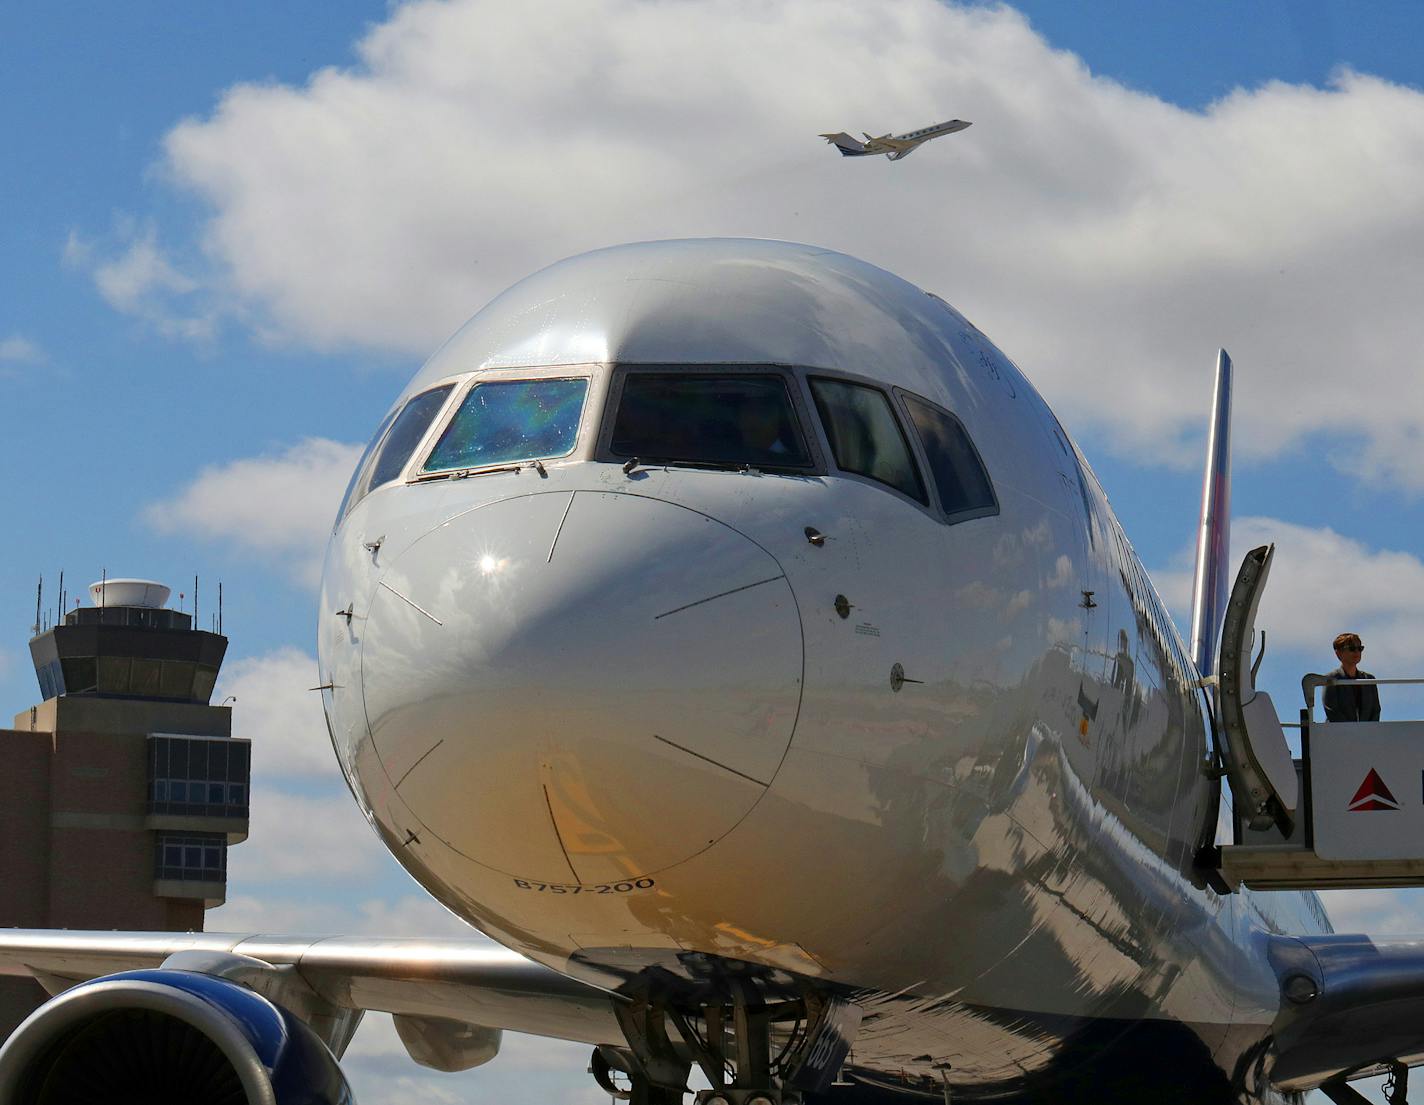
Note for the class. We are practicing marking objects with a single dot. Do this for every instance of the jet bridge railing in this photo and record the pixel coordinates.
(1360, 821)
(1311, 683)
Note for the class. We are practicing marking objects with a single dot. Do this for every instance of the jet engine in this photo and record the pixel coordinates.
(167, 1037)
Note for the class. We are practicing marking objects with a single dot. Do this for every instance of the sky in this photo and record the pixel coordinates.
(233, 232)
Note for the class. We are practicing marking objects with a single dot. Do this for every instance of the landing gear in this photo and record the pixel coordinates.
(752, 1050)
(1396, 1088)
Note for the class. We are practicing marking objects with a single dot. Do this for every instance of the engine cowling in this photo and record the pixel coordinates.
(167, 1037)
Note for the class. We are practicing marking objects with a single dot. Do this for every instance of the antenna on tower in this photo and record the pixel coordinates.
(103, 591)
(220, 597)
(60, 616)
(196, 623)
(39, 598)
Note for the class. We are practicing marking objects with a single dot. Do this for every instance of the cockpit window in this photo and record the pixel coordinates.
(395, 438)
(959, 475)
(864, 435)
(405, 435)
(685, 418)
(350, 498)
(505, 421)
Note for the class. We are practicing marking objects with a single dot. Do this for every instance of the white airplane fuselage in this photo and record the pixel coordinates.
(623, 716)
(893, 146)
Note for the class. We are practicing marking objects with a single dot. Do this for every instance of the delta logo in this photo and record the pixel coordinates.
(1373, 795)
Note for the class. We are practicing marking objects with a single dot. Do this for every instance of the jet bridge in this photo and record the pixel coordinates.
(1348, 813)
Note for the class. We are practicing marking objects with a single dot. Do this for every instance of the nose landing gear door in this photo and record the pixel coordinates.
(1257, 759)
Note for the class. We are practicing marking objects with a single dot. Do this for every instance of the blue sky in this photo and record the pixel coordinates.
(233, 232)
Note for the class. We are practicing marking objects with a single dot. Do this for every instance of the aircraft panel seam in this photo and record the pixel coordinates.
(710, 760)
(560, 528)
(554, 821)
(721, 595)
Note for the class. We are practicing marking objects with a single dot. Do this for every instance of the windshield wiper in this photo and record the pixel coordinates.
(466, 473)
(709, 465)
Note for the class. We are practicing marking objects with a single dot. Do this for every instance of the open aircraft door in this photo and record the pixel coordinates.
(1349, 770)
(1258, 761)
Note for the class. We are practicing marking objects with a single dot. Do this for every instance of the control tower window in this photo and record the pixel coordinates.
(194, 776)
(200, 857)
(507, 421)
(865, 436)
(681, 418)
(959, 475)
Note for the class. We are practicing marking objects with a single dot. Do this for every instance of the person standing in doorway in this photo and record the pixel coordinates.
(1346, 703)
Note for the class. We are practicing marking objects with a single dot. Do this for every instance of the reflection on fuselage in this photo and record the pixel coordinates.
(884, 709)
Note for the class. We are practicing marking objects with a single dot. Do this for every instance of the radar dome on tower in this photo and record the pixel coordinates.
(142, 593)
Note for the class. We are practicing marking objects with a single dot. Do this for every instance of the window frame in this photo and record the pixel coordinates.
(790, 378)
(350, 498)
(183, 844)
(357, 491)
(415, 469)
(912, 445)
(949, 518)
(186, 789)
(399, 476)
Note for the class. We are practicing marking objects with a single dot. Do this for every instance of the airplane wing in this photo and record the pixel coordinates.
(1351, 1006)
(470, 981)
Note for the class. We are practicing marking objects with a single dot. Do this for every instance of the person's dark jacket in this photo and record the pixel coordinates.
(1344, 703)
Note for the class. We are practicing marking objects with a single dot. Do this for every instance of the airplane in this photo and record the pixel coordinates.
(731, 631)
(893, 146)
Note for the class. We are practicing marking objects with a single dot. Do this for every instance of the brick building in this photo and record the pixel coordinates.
(121, 791)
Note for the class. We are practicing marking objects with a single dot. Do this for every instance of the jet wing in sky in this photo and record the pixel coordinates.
(423, 982)
(1347, 999)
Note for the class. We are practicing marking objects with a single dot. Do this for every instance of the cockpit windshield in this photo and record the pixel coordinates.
(508, 421)
(406, 427)
(733, 419)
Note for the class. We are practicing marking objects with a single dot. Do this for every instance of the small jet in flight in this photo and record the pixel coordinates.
(893, 146)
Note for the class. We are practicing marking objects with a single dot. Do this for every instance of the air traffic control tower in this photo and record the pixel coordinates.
(121, 791)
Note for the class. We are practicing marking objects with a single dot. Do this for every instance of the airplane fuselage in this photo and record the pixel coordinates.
(893, 146)
(624, 713)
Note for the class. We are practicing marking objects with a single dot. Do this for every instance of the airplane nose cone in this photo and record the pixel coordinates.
(582, 687)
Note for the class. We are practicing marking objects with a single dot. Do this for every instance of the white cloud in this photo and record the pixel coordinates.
(18, 349)
(311, 843)
(78, 250)
(324, 915)
(277, 710)
(138, 273)
(1323, 583)
(137, 277)
(1108, 240)
(1378, 912)
(279, 506)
